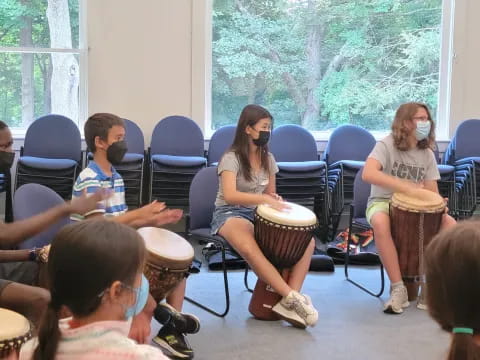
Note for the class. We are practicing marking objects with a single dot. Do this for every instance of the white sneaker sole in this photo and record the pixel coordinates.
(289, 316)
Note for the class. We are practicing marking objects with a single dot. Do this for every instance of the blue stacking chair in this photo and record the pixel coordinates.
(463, 153)
(33, 199)
(6, 187)
(358, 206)
(347, 150)
(176, 155)
(133, 164)
(51, 155)
(302, 177)
(203, 192)
(446, 184)
(219, 143)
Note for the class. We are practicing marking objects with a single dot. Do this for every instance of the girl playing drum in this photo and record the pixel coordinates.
(401, 162)
(247, 178)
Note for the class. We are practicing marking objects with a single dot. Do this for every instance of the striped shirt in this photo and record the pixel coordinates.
(93, 178)
(103, 340)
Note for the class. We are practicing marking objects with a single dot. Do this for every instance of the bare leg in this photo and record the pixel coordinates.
(29, 301)
(386, 248)
(239, 233)
(300, 269)
(176, 296)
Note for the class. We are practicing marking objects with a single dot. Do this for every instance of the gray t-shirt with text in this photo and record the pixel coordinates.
(257, 185)
(416, 165)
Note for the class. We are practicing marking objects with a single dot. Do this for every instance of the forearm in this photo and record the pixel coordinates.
(387, 181)
(131, 218)
(14, 255)
(245, 199)
(13, 233)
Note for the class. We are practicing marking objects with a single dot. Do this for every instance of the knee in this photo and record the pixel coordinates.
(39, 299)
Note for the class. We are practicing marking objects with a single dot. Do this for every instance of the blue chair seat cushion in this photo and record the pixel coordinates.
(47, 164)
(179, 161)
(352, 164)
(446, 169)
(132, 157)
(301, 166)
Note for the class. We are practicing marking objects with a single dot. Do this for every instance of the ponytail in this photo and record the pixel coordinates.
(463, 347)
(48, 335)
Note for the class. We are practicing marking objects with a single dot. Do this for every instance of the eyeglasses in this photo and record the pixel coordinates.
(421, 118)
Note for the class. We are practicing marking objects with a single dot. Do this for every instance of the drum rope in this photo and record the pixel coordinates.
(420, 250)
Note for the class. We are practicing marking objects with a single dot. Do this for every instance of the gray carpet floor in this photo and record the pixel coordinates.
(351, 323)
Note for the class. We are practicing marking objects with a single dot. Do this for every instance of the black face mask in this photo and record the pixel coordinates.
(6, 160)
(263, 138)
(116, 152)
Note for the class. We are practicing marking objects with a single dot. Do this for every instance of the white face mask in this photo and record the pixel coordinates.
(423, 130)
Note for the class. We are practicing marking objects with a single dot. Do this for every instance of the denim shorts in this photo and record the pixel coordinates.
(223, 213)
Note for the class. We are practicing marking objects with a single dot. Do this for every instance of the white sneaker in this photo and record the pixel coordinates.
(398, 301)
(297, 310)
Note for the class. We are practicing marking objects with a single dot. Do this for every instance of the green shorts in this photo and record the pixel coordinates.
(377, 206)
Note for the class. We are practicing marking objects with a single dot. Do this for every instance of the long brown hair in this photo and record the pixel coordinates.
(453, 291)
(400, 131)
(251, 115)
(85, 259)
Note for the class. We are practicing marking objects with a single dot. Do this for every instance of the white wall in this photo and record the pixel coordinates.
(140, 60)
(465, 103)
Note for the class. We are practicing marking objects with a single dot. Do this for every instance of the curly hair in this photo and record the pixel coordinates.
(401, 132)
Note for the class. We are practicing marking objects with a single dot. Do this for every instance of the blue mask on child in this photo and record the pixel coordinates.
(422, 130)
(141, 295)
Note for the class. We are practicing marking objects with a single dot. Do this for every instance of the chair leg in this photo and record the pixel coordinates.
(227, 293)
(347, 261)
(245, 278)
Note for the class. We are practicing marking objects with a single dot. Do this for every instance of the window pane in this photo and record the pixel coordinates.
(26, 23)
(48, 87)
(324, 63)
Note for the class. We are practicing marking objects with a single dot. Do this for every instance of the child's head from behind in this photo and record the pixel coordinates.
(94, 270)
(453, 285)
(413, 119)
(92, 263)
(102, 130)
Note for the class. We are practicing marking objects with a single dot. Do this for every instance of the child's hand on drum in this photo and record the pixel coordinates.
(446, 203)
(274, 202)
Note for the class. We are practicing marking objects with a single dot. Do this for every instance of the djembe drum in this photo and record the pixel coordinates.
(283, 237)
(15, 330)
(169, 257)
(414, 222)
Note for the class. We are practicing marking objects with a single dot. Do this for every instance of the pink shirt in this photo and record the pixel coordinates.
(106, 340)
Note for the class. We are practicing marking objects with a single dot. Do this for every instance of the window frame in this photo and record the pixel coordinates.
(81, 51)
(202, 70)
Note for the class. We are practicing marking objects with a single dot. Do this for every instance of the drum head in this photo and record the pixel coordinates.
(165, 244)
(297, 215)
(429, 201)
(14, 325)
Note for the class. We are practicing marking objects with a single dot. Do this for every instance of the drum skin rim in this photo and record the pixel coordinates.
(9, 344)
(313, 221)
(399, 200)
(418, 211)
(285, 226)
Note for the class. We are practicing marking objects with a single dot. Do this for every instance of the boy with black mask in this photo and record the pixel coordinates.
(105, 138)
(19, 268)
